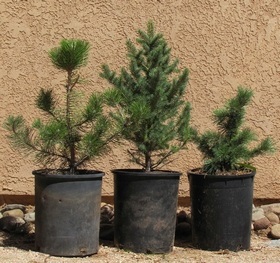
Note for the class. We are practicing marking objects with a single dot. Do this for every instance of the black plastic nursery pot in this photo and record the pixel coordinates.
(145, 205)
(221, 209)
(67, 212)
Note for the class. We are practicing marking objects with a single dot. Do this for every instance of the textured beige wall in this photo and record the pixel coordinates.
(223, 43)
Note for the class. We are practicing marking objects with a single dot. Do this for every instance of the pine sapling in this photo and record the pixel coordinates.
(72, 135)
(148, 97)
(228, 150)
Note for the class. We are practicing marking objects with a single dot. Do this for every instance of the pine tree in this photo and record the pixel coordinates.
(72, 134)
(227, 149)
(148, 100)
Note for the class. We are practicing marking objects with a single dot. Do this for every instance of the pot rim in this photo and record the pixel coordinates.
(249, 173)
(141, 172)
(57, 173)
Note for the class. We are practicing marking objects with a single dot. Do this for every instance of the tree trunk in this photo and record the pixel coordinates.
(148, 162)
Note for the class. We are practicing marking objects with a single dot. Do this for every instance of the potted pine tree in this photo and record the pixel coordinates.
(222, 190)
(67, 197)
(149, 108)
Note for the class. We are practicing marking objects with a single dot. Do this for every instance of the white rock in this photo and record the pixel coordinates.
(258, 213)
(270, 207)
(273, 243)
(30, 217)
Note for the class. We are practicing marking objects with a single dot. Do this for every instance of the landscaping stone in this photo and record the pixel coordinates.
(29, 209)
(272, 208)
(106, 214)
(12, 207)
(17, 219)
(106, 231)
(14, 213)
(273, 243)
(183, 224)
(275, 210)
(261, 223)
(272, 217)
(257, 213)
(103, 204)
(13, 225)
(30, 217)
(181, 217)
(275, 231)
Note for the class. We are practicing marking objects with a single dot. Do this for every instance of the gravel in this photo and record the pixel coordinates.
(20, 249)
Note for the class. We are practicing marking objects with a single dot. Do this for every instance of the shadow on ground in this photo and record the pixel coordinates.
(21, 241)
(27, 241)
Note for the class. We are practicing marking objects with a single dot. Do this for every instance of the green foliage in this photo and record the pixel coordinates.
(45, 101)
(228, 148)
(70, 134)
(148, 100)
(70, 55)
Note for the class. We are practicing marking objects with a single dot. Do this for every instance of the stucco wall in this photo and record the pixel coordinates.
(223, 43)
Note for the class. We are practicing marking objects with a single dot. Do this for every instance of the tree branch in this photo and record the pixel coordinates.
(135, 159)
